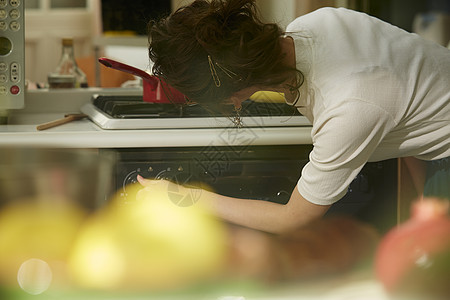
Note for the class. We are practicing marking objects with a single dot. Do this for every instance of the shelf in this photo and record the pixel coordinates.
(132, 41)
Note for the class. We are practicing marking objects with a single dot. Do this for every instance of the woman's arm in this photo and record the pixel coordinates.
(261, 215)
(264, 215)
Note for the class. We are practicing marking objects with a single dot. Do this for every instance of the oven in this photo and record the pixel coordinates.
(267, 173)
(238, 166)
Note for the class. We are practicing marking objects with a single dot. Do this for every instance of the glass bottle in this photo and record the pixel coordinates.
(67, 74)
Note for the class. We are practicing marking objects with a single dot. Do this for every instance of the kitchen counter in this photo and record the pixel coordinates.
(85, 134)
(43, 106)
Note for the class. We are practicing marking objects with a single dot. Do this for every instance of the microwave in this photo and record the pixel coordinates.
(12, 55)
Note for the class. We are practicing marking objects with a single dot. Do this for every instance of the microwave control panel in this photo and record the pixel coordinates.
(12, 54)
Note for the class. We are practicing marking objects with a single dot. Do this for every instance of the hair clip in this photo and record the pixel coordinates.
(214, 75)
(228, 72)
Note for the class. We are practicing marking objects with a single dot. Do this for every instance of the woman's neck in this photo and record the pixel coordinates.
(288, 50)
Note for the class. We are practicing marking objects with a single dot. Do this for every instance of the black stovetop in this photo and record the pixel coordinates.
(129, 107)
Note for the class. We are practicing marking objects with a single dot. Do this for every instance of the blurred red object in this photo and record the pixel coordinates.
(413, 259)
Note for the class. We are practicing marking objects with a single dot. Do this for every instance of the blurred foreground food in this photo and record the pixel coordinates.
(149, 243)
(152, 244)
(58, 236)
(42, 229)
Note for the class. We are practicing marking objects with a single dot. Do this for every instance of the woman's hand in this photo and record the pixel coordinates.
(180, 195)
(149, 182)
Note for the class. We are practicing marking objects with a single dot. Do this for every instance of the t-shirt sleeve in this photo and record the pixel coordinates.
(344, 138)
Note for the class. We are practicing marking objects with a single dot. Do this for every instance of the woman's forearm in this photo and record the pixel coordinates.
(264, 215)
(256, 214)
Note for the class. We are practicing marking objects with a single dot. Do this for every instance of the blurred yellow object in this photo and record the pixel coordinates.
(268, 96)
(41, 229)
(97, 261)
(148, 243)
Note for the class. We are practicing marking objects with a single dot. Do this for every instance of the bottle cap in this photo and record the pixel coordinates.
(67, 42)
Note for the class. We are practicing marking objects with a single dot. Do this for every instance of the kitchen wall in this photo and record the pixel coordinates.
(47, 21)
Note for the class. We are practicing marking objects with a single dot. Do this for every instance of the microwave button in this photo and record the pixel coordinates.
(14, 14)
(14, 90)
(14, 3)
(14, 26)
(3, 26)
(3, 67)
(3, 90)
(14, 68)
(3, 14)
(3, 3)
(15, 72)
(3, 78)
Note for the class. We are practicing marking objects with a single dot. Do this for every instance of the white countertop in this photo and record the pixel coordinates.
(40, 108)
(85, 134)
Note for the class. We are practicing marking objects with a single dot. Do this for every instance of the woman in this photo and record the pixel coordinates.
(371, 90)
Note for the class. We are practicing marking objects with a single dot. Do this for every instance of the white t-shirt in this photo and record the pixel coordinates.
(372, 92)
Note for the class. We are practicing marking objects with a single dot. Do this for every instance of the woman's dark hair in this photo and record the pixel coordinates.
(225, 37)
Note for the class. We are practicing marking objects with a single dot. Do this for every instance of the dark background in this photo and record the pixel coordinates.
(132, 15)
(401, 13)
